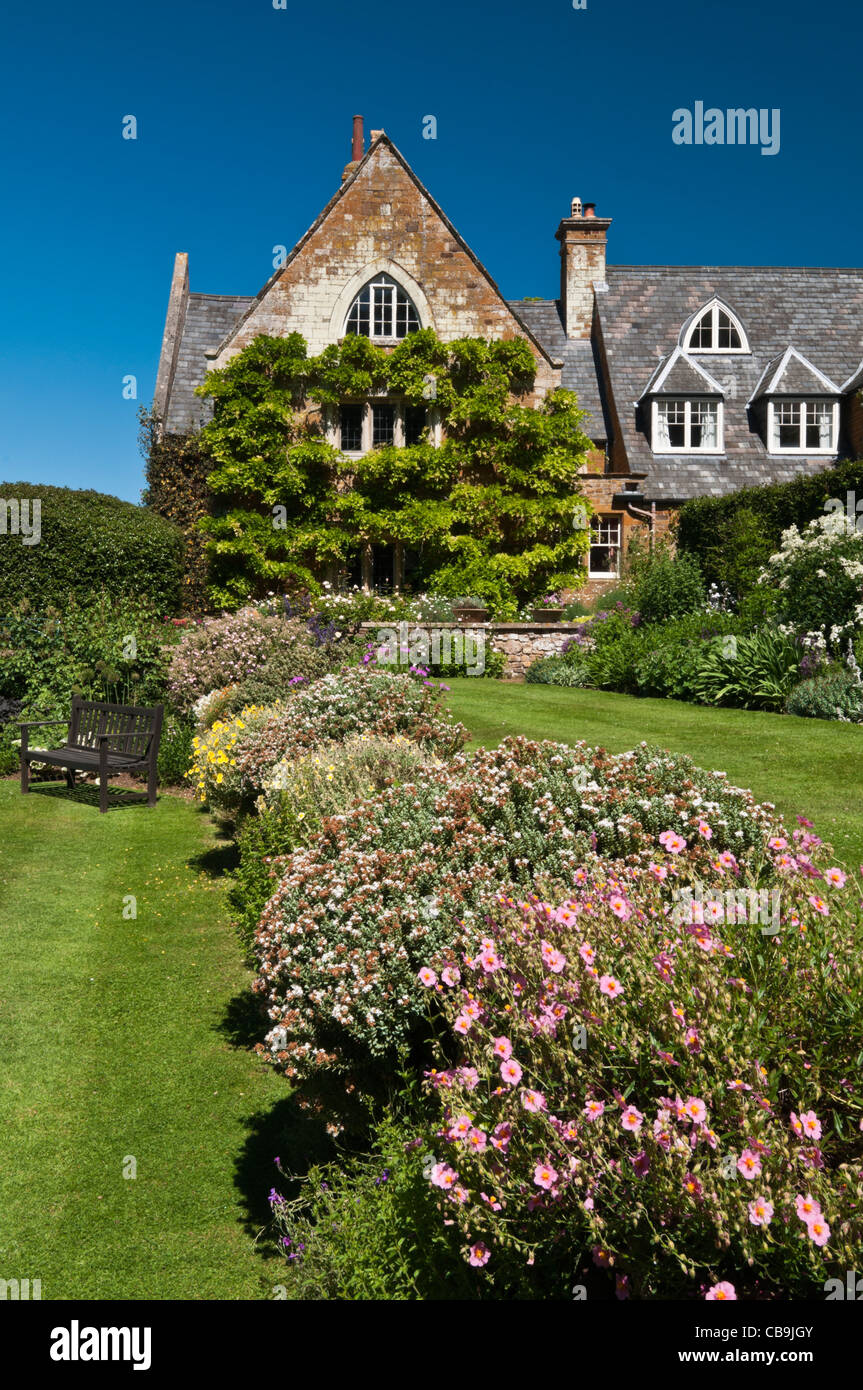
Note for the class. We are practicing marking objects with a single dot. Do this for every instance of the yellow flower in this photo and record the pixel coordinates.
(220, 776)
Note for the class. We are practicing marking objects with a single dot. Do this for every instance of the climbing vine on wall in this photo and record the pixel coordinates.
(489, 512)
(176, 471)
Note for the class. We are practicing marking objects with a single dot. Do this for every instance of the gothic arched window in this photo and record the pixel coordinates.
(382, 310)
(715, 329)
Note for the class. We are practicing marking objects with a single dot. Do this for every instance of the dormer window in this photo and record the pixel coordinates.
(382, 311)
(686, 426)
(802, 427)
(715, 329)
(802, 406)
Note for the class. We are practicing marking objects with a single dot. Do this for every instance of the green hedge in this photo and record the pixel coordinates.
(705, 524)
(90, 541)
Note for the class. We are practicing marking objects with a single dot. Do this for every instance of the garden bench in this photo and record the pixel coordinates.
(100, 738)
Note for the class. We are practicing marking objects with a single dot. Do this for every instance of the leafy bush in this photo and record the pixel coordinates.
(90, 541)
(299, 794)
(660, 661)
(665, 586)
(738, 553)
(819, 576)
(367, 1227)
(48, 656)
(705, 522)
(755, 672)
(671, 1092)
(177, 469)
(385, 886)
(834, 695)
(175, 750)
(558, 670)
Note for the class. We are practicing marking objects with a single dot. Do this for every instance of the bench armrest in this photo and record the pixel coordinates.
(40, 723)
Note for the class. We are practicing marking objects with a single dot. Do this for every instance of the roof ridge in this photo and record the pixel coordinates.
(809, 269)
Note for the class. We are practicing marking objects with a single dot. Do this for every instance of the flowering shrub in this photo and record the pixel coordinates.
(232, 649)
(819, 575)
(358, 700)
(388, 884)
(675, 1094)
(213, 770)
(367, 1227)
(301, 793)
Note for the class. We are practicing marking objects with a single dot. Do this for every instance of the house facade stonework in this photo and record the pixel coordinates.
(695, 381)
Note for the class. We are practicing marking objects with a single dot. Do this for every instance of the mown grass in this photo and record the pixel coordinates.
(805, 766)
(115, 1047)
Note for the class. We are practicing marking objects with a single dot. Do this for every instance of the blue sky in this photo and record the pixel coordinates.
(244, 121)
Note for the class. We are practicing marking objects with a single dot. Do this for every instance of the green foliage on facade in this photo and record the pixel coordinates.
(489, 511)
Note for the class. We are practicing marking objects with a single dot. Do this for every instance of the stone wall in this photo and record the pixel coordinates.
(382, 220)
(520, 643)
(524, 643)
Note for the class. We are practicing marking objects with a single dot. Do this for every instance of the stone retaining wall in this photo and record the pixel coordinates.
(520, 643)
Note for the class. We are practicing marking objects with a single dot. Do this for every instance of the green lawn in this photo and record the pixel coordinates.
(805, 766)
(114, 1045)
(127, 1037)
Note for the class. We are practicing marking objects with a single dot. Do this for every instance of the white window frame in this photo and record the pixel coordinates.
(605, 522)
(803, 403)
(714, 310)
(382, 281)
(688, 401)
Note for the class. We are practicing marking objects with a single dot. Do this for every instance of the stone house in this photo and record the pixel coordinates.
(695, 380)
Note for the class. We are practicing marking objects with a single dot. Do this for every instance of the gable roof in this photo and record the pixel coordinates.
(680, 375)
(854, 382)
(382, 141)
(791, 374)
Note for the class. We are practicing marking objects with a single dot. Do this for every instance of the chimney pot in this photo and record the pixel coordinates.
(575, 209)
(590, 209)
(357, 144)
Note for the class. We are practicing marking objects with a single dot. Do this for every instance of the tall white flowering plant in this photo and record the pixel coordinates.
(818, 575)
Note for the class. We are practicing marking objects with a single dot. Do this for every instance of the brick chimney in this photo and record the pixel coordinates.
(356, 148)
(582, 263)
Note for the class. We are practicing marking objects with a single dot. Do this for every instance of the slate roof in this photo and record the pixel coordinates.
(792, 375)
(580, 371)
(818, 312)
(208, 319)
(640, 315)
(681, 375)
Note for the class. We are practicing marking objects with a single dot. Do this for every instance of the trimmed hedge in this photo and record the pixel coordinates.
(704, 524)
(90, 541)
